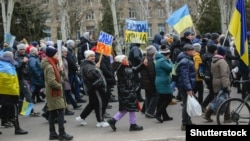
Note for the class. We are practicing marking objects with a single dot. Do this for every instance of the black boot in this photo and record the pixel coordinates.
(53, 135)
(112, 122)
(63, 135)
(207, 115)
(18, 130)
(135, 127)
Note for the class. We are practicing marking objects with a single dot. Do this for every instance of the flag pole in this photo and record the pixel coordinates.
(225, 38)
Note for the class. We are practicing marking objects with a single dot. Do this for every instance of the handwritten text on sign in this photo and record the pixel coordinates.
(104, 44)
(136, 31)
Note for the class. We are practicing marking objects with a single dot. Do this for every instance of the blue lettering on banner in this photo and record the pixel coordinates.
(139, 26)
(105, 38)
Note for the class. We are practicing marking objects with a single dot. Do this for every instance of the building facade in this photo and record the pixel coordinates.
(88, 13)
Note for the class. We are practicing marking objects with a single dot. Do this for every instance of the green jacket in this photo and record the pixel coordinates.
(55, 102)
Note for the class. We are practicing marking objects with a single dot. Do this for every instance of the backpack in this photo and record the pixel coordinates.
(174, 74)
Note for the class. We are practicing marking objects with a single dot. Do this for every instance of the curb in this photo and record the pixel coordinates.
(176, 138)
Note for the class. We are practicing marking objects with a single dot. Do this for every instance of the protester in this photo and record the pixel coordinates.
(186, 81)
(96, 86)
(9, 94)
(54, 94)
(126, 93)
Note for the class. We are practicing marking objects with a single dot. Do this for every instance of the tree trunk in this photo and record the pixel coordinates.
(65, 25)
(7, 16)
(226, 8)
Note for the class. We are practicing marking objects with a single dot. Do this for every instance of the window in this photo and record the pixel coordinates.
(90, 29)
(90, 15)
(132, 13)
(161, 27)
(150, 31)
(58, 17)
(161, 13)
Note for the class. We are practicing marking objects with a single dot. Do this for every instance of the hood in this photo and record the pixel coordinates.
(159, 56)
(183, 55)
(157, 39)
(44, 63)
(217, 58)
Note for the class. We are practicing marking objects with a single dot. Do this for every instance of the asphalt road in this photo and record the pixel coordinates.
(38, 127)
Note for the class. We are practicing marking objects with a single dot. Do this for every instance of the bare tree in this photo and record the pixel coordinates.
(7, 15)
(226, 7)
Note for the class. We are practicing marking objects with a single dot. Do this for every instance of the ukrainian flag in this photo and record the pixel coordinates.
(180, 19)
(8, 79)
(238, 29)
(26, 108)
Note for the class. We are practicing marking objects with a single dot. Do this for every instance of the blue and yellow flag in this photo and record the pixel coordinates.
(180, 19)
(238, 29)
(26, 108)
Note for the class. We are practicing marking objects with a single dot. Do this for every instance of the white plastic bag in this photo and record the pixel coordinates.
(193, 106)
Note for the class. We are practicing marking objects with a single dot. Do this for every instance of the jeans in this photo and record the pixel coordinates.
(75, 85)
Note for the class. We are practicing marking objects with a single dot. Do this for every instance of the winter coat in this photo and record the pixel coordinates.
(106, 68)
(93, 77)
(147, 79)
(66, 71)
(126, 89)
(53, 102)
(186, 72)
(135, 55)
(163, 68)
(221, 73)
(81, 48)
(23, 71)
(36, 73)
(71, 58)
(197, 62)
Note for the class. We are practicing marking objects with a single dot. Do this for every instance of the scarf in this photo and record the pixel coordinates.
(53, 62)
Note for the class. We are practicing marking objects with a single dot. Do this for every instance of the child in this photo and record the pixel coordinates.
(126, 94)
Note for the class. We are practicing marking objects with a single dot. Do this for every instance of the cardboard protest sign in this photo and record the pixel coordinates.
(136, 31)
(104, 44)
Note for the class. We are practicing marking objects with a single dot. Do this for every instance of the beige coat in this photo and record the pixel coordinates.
(220, 72)
(56, 102)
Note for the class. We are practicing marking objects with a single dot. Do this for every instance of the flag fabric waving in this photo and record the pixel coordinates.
(180, 19)
(238, 29)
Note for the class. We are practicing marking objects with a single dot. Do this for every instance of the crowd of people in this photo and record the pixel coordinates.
(38, 76)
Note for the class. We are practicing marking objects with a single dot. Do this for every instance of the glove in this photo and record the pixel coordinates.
(226, 89)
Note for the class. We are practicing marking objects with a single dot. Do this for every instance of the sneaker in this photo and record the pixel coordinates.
(147, 115)
(82, 121)
(102, 124)
(35, 114)
(173, 102)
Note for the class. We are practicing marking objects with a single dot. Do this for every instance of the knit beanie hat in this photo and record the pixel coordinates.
(34, 43)
(20, 46)
(50, 43)
(87, 53)
(70, 43)
(50, 52)
(8, 54)
(119, 58)
(197, 47)
(150, 50)
(221, 51)
(164, 49)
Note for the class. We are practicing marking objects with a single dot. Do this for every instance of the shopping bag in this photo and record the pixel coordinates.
(26, 108)
(193, 106)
